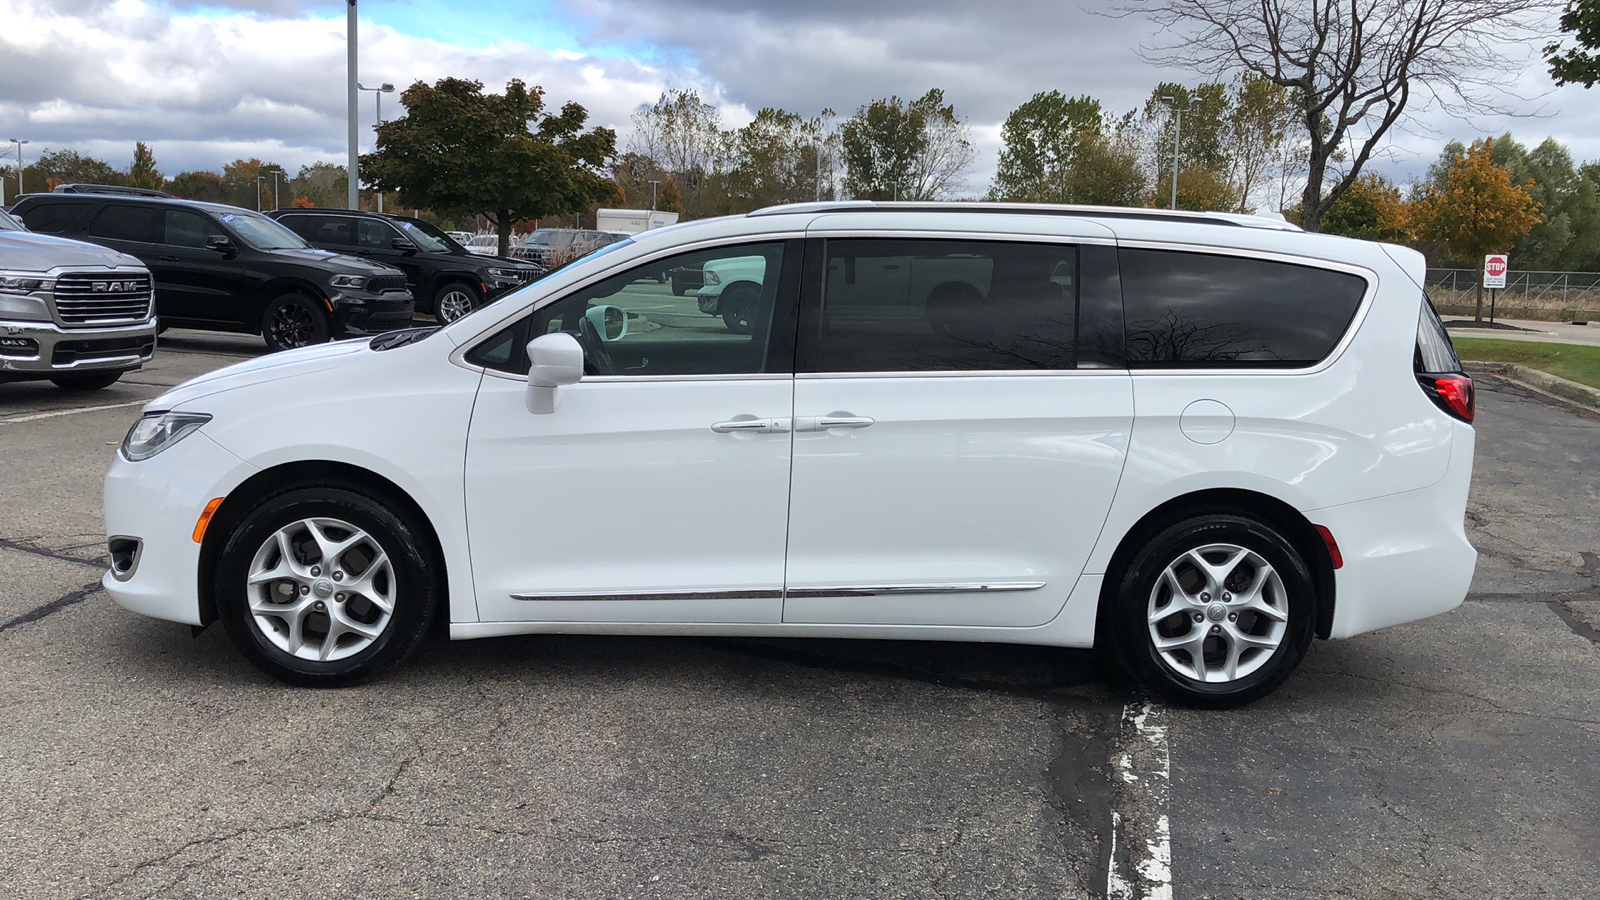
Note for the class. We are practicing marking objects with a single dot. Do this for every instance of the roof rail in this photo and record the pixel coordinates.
(81, 188)
(1267, 220)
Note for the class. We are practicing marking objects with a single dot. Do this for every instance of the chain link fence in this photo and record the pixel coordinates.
(1544, 296)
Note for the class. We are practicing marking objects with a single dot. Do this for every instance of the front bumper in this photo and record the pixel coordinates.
(157, 503)
(44, 350)
(357, 315)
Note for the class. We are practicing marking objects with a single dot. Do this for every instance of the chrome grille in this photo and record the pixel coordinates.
(108, 298)
(377, 284)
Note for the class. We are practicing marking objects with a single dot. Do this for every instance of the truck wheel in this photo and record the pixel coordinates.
(453, 301)
(738, 305)
(92, 382)
(292, 321)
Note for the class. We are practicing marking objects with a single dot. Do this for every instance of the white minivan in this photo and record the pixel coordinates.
(1195, 440)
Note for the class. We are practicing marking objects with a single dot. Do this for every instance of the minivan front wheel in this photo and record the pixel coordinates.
(1214, 611)
(292, 320)
(323, 586)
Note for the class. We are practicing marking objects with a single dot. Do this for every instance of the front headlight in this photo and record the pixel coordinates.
(22, 284)
(353, 282)
(712, 277)
(156, 432)
(506, 274)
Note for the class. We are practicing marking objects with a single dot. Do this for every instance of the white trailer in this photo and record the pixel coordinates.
(632, 221)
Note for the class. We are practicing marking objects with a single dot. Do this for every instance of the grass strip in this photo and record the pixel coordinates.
(1574, 362)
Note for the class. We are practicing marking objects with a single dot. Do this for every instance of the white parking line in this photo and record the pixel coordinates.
(69, 412)
(1139, 824)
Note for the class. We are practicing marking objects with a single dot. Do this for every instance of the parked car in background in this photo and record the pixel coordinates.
(461, 237)
(74, 313)
(446, 279)
(1198, 441)
(731, 289)
(229, 269)
(555, 247)
(484, 244)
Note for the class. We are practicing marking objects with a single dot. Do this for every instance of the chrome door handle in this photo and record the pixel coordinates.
(751, 426)
(842, 422)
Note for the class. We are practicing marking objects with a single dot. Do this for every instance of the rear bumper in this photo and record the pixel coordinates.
(43, 350)
(1406, 556)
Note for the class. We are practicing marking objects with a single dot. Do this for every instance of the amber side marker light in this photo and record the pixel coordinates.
(205, 519)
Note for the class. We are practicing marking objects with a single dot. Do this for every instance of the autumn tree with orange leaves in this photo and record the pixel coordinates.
(1478, 209)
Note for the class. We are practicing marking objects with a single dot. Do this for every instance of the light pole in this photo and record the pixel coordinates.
(259, 179)
(20, 188)
(653, 195)
(816, 145)
(275, 204)
(377, 109)
(1177, 129)
(353, 193)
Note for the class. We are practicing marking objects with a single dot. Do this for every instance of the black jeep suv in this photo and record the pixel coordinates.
(230, 269)
(447, 280)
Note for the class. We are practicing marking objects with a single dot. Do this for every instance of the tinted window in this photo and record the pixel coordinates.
(128, 223)
(912, 306)
(52, 218)
(187, 229)
(427, 237)
(1434, 354)
(374, 235)
(1194, 310)
(666, 334)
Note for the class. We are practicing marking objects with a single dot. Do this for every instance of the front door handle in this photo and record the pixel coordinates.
(751, 426)
(823, 423)
(169, 258)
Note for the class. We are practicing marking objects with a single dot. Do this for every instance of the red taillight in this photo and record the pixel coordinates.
(1452, 393)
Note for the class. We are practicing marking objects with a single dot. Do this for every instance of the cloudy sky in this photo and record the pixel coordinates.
(205, 83)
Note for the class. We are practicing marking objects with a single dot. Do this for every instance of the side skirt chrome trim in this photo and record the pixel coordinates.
(887, 590)
(753, 594)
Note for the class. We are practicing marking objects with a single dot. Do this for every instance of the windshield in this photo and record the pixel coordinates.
(541, 237)
(263, 233)
(428, 237)
(9, 224)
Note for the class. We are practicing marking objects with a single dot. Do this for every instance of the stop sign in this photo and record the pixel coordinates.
(1494, 270)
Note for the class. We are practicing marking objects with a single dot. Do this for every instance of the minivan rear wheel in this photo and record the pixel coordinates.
(291, 321)
(1215, 611)
(322, 586)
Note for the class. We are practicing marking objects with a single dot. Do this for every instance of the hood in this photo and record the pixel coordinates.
(262, 369)
(338, 263)
(25, 251)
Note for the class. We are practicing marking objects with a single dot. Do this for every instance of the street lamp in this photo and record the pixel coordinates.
(259, 179)
(275, 204)
(377, 108)
(816, 145)
(20, 188)
(353, 189)
(1177, 129)
(653, 195)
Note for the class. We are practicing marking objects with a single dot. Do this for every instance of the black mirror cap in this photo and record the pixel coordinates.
(404, 245)
(220, 242)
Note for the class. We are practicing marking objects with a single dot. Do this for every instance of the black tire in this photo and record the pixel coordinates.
(293, 320)
(410, 580)
(737, 305)
(1138, 598)
(87, 382)
(448, 303)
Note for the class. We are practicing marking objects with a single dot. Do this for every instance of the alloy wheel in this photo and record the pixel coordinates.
(321, 589)
(453, 304)
(292, 325)
(1218, 613)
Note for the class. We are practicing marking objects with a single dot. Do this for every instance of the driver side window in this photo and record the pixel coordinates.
(709, 312)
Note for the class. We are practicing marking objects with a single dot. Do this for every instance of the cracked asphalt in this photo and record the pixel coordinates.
(1451, 757)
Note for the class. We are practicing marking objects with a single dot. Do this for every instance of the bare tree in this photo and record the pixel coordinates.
(682, 135)
(1352, 66)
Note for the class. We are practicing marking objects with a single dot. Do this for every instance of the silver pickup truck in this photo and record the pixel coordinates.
(74, 313)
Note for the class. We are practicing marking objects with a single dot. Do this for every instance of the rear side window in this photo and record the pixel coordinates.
(52, 218)
(128, 223)
(1195, 310)
(1435, 354)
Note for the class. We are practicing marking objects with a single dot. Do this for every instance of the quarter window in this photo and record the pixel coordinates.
(128, 223)
(1196, 310)
(724, 329)
(52, 218)
(930, 305)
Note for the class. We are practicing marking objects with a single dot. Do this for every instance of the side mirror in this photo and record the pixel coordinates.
(220, 243)
(610, 322)
(553, 360)
(404, 245)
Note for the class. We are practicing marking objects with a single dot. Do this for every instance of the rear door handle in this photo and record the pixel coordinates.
(751, 426)
(823, 423)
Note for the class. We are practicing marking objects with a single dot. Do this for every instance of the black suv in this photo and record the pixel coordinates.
(448, 280)
(229, 269)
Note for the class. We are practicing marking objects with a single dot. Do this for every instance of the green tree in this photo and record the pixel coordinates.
(775, 159)
(1203, 158)
(1477, 209)
(319, 184)
(198, 185)
(459, 151)
(681, 136)
(142, 173)
(1045, 144)
(1256, 138)
(917, 150)
(1371, 209)
(1580, 64)
(68, 167)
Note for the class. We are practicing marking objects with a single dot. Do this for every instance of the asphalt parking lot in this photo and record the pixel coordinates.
(1447, 758)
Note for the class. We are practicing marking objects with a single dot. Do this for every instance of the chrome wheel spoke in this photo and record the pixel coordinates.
(366, 584)
(331, 549)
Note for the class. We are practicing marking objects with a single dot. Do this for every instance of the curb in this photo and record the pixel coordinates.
(1543, 382)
